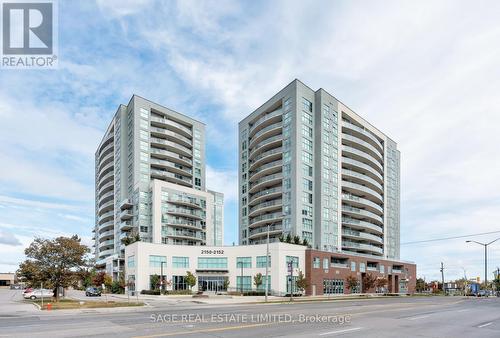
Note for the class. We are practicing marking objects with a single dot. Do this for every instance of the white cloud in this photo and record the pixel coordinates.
(225, 181)
(7, 238)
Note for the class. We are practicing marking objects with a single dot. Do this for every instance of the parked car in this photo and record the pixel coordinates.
(27, 290)
(92, 291)
(38, 293)
(482, 293)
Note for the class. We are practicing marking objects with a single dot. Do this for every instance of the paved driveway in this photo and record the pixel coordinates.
(12, 303)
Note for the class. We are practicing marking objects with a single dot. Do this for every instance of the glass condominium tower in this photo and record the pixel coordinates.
(311, 167)
(150, 182)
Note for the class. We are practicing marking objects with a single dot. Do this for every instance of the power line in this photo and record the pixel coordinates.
(448, 238)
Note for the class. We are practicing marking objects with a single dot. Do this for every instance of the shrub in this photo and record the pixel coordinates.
(150, 292)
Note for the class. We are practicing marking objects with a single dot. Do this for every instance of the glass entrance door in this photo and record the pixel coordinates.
(212, 283)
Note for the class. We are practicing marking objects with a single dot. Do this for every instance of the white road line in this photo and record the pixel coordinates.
(487, 324)
(418, 317)
(340, 331)
(463, 310)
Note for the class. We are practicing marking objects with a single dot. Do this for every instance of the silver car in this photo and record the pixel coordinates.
(39, 293)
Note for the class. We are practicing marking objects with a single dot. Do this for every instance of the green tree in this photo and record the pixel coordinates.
(154, 282)
(257, 280)
(132, 238)
(190, 279)
(288, 238)
(351, 282)
(305, 242)
(281, 238)
(420, 285)
(296, 240)
(226, 283)
(381, 283)
(301, 281)
(53, 261)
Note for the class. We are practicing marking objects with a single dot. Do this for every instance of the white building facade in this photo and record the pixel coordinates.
(213, 265)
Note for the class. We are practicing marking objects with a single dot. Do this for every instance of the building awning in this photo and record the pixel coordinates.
(212, 270)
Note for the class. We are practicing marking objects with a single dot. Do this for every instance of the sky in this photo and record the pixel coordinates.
(426, 73)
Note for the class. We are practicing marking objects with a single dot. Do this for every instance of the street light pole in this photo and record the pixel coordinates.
(266, 286)
(162, 280)
(485, 258)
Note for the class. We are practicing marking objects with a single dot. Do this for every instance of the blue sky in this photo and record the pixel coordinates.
(427, 74)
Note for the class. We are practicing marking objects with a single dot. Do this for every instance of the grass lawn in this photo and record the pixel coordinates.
(64, 304)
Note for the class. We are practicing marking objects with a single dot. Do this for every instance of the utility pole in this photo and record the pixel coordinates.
(442, 275)
(485, 259)
(266, 286)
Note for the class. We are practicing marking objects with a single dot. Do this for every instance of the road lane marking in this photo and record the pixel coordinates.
(487, 324)
(418, 317)
(340, 331)
(463, 310)
(226, 328)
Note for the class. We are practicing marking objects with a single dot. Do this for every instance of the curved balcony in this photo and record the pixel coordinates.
(171, 125)
(362, 225)
(105, 245)
(362, 179)
(109, 177)
(357, 212)
(362, 190)
(106, 253)
(106, 198)
(105, 143)
(126, 214)
(362, 247)
(264, 219)
(265, 120)
(359, 235)
(265, 181)
(265, 145)
(198, 236)
(350, 163)
(363, 203)
(265, 207)
(105, 170)
(265, 195)
(265, 133)
(350, 128)
(186, 201)
(171, 177)
(105, 160)
(107, 230)
(265, 157)
(126, 204)
(105, 208)
(165, 154)
(171, 146)
(265, 170)
(195, 214)
(106, 188)
(108, 234)
(356, 142)
(262, 231)
(360, 156)
(193, 225)
(171, 166)
(171, 135)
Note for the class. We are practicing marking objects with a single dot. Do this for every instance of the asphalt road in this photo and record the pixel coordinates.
(385, 317)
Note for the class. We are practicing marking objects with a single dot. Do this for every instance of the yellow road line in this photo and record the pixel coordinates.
(205, 330)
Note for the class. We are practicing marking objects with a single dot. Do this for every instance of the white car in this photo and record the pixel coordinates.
(38, 293)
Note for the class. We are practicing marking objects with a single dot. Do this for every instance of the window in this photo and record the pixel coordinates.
(316, 262)
(180, 262)
(382, 269)
(131, 262)
(156, 261)
(307, 224)
(333, 286)
(261, 287)
(362, 267)
(246, 262)
(307, 144)
(307, 105)
(307, 184)
(244, 283)
(307, 170)
(261, 261)
(307, 131)
(179, 283)
(212, 263)
(294, 260)
(307, 197)
(307, 210)
(353, 266)
(144, 113)
(306, 157)
(307, 118)
(326, 263)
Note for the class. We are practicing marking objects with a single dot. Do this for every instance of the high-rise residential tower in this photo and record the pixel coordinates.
(150, 183)
(311, 167)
